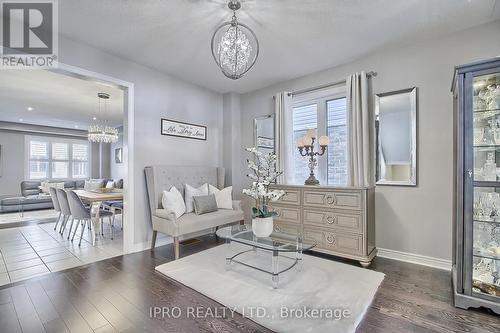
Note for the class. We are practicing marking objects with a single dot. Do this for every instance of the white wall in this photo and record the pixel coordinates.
(409, 219)
(156, 95)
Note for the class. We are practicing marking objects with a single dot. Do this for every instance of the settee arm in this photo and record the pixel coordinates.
(237, 205)
(166, 214)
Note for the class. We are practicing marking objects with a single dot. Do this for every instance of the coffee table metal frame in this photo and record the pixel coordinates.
(281, 242)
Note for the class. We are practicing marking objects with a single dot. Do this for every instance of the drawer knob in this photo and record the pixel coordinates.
(277, 228)
(330, 239)
(331, 219)
(330, 200)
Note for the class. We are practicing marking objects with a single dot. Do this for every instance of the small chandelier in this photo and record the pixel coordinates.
(100, 131)
(235, 46)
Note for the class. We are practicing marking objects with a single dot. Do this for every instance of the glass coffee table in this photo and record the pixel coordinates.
(278, 244)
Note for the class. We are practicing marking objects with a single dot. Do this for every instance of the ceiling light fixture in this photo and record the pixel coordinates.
(235, 46)
(30, 108)
(100, 131)
(21, 120)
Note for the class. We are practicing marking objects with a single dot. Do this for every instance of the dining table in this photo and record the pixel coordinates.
(95, 198)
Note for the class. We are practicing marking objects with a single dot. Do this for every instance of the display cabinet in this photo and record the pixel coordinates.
(476, 220)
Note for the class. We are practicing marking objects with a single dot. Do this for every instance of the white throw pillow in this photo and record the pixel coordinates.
(110, 184)
(223, 197)
(173, 201)
(92, 185)
(190, 192)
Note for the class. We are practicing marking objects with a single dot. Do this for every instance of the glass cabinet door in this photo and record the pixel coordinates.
(485, 226)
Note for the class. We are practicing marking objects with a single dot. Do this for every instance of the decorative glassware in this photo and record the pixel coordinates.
(490, 168)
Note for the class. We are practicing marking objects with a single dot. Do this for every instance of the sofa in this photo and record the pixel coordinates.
(162, 178)
(32, 198)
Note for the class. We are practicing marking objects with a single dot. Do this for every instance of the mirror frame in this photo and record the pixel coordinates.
(255, 120)
(413, 115)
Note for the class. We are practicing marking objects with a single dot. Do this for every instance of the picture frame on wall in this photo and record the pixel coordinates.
(119, 155)
(183, 130)
(264, 142)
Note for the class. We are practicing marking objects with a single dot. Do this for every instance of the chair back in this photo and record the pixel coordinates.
(63, 201)
(55, 201)
(78, 209)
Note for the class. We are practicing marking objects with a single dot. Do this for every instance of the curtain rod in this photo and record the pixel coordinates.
(328, 85)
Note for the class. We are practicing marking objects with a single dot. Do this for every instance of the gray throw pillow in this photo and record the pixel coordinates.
(204, 204)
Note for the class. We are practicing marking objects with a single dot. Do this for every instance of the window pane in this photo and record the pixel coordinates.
(304, 118)
(80, 152)
(38, 169)
(80, 169)
(39, 150)
(60, 151)
(337, 149)
(60, 169)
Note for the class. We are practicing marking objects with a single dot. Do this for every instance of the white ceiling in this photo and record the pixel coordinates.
(57, 100)
(297, 37)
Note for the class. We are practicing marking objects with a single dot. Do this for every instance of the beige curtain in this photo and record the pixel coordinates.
(283, 120)
(360, 128)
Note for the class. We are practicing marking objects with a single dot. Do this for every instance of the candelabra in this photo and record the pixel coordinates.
(306, 148)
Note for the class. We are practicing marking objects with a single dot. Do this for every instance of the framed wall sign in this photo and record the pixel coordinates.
(118, 155)
(183, 130)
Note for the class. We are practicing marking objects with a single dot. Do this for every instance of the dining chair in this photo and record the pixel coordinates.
(66, 212)
(82, 214)
(55, 202)
(116, 208)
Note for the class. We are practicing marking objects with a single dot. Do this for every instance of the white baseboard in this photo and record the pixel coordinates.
(415, 259)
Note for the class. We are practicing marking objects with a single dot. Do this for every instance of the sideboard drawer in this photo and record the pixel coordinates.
(288, 228)
(331, 219)
(286, 214)
(291, 197)
(333, 199)
(335, 241)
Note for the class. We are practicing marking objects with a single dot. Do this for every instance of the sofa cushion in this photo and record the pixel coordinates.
(29, 187)
(191, 222)
(29, 200)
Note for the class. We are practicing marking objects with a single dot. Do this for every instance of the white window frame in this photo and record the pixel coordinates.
(320, 98)
(50, 140)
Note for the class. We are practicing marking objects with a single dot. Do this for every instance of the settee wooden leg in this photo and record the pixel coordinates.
(153, 240)
(176, 247)
(216, 237)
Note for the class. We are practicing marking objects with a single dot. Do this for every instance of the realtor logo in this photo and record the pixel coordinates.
(29, 34)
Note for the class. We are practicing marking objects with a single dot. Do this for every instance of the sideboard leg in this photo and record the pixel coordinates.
(365, 264)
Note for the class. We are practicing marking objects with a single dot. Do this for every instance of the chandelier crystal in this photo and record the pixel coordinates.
(100, 131)
(235, 46)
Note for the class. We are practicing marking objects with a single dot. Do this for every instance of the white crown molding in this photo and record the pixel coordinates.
(415, 259)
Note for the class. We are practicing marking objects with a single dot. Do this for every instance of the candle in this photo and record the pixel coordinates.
(324, 141)
(311, 133)
(307, 140)
(300, 143)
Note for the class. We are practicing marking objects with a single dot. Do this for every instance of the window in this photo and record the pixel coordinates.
(54, 158)
(337, 150)
(328, 115)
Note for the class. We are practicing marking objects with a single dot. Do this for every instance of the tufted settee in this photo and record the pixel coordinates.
(162, 178)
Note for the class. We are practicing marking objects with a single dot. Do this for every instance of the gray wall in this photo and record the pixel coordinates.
(156, 95)
(118, 170)
(409, 219)
(12, 140)
(12, 162)
(232, 149)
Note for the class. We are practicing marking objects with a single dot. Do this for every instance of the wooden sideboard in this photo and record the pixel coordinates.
(341, 220)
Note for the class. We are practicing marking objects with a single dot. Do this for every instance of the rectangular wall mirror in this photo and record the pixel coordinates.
(264, 133)
(396, 131)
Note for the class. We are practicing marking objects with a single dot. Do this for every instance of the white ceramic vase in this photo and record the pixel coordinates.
(262, 227)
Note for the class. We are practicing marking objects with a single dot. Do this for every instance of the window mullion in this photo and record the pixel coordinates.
(322, 122)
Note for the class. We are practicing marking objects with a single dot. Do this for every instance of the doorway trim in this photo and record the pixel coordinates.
(128, 142)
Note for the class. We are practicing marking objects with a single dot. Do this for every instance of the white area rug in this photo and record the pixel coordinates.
(321, 284)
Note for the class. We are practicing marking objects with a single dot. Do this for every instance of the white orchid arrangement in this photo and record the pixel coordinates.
(263, 174)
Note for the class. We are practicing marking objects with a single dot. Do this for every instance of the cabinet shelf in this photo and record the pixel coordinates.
(486, 254)
(486, 220)
(485, 183)
(486, 110)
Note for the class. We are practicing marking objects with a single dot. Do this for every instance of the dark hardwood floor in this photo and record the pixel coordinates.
(116, 295)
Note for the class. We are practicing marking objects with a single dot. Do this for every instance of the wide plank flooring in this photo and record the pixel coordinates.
(115, 295)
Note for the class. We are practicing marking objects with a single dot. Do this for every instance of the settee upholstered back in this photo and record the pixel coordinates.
(162, 177)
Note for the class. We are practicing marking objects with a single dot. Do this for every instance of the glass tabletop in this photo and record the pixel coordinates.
(278, 241)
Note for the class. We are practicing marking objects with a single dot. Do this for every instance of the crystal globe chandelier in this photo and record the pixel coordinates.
(235, 46)
(100, 131)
